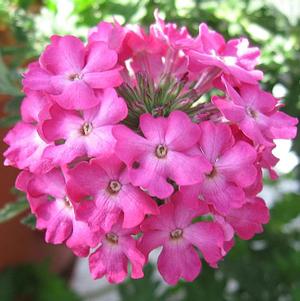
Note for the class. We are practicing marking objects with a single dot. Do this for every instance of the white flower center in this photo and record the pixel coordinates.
(114, 186)
(176, 234)
(112, 238)
(87, 128)
(74, 76)
(161, 151)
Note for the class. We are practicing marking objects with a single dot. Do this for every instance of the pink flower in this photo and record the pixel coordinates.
(173, 230)
(247, 220)
(259, 120)
(103, 191)
(232, 167)
(72, 73)
(235, 58)
(85, 133)
(26, 147)
(161, 155)
(112, 34)
(111, 259)
(168, 32)
(54, 211)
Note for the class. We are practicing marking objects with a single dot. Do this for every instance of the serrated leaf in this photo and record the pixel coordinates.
(10, 210)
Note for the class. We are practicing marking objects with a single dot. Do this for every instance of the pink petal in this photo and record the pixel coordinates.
(32, 105)
(62, 124)
(37, 79)
(237, 164)
(153, 128)
(104, 79)
(186, 170)
(77, 95)
(135, 257)
(151, 240)
(178, 261)
(248, 220)
(181, 132)
(136, 205)
(110, 262)
(112, 110)
(215, 139)
(209, 238)
(230, 110)
(63, 54)
(82, 239)
(100, 58)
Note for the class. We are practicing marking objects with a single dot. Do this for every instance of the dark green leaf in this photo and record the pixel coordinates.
(10, 210)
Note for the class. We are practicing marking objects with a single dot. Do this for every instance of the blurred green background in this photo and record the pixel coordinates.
(266, 268)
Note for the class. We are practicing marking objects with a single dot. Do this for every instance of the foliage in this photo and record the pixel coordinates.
(33, 282)
(13, 209)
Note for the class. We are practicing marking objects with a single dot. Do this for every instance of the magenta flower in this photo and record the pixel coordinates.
(112, 34)
(248, 220)
(259, 120)
(111, 259)
(232, 167)
(162, 154)
(72, 73)
(86, 133)
(54, 211)
(173, 229)
(26, 147)
(120, 153)
(103, 191)
(235, 58)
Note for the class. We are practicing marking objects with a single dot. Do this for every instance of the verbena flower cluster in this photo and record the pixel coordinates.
(139, 140)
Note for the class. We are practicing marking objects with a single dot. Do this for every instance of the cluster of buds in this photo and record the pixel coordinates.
(139, 140)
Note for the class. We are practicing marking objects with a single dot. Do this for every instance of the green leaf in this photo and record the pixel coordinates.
(34, 282)
(29, 221)
(10, 210)
(6, 87)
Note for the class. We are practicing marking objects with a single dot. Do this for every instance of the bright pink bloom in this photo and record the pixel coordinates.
(173, 229)
(247, 220)
(104, 191)
(26, 147)
(232, 167)
(112, 34)
(235, 58)
(85, 133)
(72, 73)
(54, 211)
(162, 154)
(169, 33)
(255, 112)
(116, 250)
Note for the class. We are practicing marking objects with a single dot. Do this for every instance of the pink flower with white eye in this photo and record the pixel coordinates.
(72, 73)
(54, 211)
(26, 147)
(174, 231)
(232, 167)
(256, 113)
(235, 58)
(103, 191)
(162, 154)
(111, 259)
(247, 220)
(86, 133)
